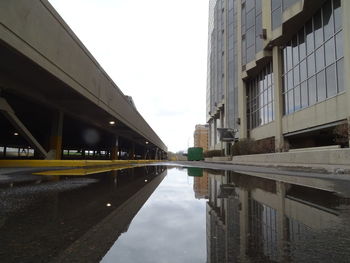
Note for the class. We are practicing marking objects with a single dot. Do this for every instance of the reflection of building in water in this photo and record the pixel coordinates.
(200, 186)
(255, 219)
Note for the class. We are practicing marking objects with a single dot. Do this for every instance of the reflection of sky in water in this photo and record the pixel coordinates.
(170, 227)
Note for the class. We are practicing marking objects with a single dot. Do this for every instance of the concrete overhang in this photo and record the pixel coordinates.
(42, 59)
(293, 19)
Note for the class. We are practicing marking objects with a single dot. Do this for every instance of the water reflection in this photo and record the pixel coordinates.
(193, 215)
(170, 227)
(252, 219)
(72, 219)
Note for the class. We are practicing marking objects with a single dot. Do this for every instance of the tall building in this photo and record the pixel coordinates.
(200, 137)
(278, 71)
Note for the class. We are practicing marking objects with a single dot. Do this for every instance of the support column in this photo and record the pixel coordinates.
(115, 148)
(278, 96)
(9, 114)
(346, 74)
(55, 151)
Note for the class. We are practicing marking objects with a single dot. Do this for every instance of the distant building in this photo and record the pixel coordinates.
(279, 71)
(201, 136)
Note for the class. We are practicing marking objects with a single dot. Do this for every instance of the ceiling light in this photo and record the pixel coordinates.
(16, 134)
(147, 142)
(111, 122)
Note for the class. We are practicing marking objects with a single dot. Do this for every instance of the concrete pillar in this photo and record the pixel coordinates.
(346, 36)
(55, 151)
(278, 97)
(115, 148)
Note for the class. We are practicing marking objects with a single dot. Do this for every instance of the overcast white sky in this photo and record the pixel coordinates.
(155, 51)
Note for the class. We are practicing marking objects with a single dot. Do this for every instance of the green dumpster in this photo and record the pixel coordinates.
(195, 154)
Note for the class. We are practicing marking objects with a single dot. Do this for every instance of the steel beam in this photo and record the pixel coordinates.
(9, 113)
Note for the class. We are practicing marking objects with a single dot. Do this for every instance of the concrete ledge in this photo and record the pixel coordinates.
(322, 157)
(332, 147)
(218, 159)
(70, 163)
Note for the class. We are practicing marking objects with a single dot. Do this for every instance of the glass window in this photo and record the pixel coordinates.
(321, 86)
(329, 52)
(319, 59)
(266, 115)
(338, 24)
(296, 75)
(318, 29)
(275, 4)
(302, 45)
(285, 60)
(285, 101)
(303, 70)
(328, 20)
(244, 49)
(289, 57)
(285, 83)
(269, 94)
(290, 80)
(250, 4)
(230, 4)
(258, 6)
(297, 102)
(340, 76)
(339, 44)
(250, 18)
(269, 112)
(304, 94)
(276, 18)
(310, 65)
(261, 95)
(312, 90)
(331, 81)
(251, 53)
(295, 50)
(290, 101)
(309, 37)
(250, 37)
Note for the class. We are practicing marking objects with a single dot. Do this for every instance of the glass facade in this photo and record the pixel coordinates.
(251, 25)
(313, 60)
(260, 98)
(232, 105)
(216, 53)
(277, 8)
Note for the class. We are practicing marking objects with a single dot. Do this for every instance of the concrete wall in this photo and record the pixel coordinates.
(35, 29)
(264, 131)
(323, 157)
(331, 110)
